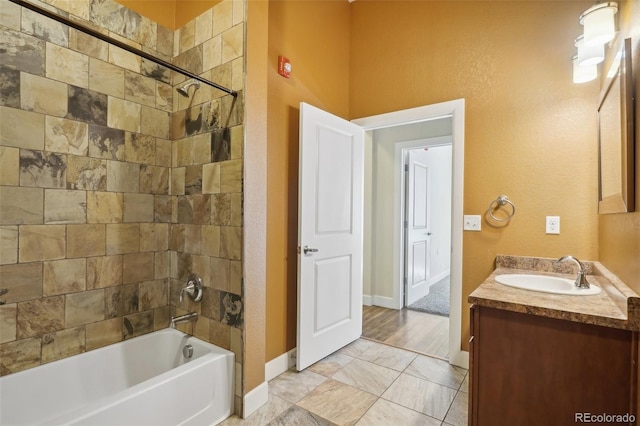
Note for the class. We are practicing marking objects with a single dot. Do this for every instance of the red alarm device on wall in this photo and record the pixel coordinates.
(284, 66)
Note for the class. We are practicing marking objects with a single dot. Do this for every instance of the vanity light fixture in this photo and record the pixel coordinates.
(583, 73)
(599, 29)
(589, 55)
(599, 25)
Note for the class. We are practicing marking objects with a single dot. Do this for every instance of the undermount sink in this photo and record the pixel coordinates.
(545, 284)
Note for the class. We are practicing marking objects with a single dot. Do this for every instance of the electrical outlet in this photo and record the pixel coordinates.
(553, 224)
(471, 222)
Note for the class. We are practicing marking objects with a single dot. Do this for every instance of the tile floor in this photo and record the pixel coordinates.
(366, 383)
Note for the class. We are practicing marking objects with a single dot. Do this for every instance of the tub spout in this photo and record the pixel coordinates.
(190, 317)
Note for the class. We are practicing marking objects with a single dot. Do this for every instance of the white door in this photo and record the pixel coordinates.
(330, 209)
(417, 226)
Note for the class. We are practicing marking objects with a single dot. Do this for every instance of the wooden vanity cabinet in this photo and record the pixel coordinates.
(532, 370)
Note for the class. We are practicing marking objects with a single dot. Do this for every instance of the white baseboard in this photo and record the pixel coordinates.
(366, 300)
(384, 301)
(460, 359)
(279, 365)
(255, 399)
(259, 396)
(440, 276)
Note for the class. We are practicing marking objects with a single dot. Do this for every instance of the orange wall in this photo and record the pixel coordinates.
(530, 133)
(255, 190)
(171, 14)
(314, 35)
(620, 233)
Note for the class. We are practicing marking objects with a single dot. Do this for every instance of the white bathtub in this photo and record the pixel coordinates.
(142, 381)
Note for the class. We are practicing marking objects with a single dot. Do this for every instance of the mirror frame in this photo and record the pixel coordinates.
(619, 70)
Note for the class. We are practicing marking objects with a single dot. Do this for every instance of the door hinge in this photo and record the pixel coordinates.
(406, 281)
(406, 223)
(406, 167)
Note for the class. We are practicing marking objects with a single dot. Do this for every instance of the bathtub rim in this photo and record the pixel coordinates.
(84, 411)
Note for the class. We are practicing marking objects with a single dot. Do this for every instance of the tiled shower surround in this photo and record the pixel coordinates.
(113, 188)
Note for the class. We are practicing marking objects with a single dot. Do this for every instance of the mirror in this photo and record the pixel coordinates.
(616, 136)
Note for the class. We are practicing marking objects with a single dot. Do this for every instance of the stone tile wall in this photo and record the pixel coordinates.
(208, 135)
(112, 189)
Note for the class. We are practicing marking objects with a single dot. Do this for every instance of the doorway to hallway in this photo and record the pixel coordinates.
(422, 325)
(388, 138)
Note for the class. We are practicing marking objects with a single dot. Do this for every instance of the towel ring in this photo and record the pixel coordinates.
(499, 202)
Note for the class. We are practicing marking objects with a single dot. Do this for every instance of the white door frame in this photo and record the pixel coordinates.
(455, 109)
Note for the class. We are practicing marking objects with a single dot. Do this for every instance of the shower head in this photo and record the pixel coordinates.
(184, 90)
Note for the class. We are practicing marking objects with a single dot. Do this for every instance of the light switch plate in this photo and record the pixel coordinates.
(472, 222)
(553, 225)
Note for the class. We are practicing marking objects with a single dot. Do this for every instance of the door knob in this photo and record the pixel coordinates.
(307, 249)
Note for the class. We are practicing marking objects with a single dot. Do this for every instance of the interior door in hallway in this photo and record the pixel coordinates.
(330, 210)
(417, 225)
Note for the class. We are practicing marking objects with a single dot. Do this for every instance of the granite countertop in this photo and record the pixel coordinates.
(617, 306)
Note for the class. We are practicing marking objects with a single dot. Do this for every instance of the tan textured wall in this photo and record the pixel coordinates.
(162, 12)
(314, 35)
(172, 14)
(529, 131)
(619, 236)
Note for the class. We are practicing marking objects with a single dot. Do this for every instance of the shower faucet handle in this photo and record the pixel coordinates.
(193, 288)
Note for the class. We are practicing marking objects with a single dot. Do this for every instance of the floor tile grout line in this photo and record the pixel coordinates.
(420, 378)
(412, 409)
(378, 397)
(397, 377)
(430, 381)
(359, 356)
(457, 389)
(450, 405)
(435, 383)
(404, 349)
(424, 414)
(368, 409)
(381, 312)
(345, 384)
(463, 379)
(392, 402)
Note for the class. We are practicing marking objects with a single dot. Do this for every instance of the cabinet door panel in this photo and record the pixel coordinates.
(532, 370)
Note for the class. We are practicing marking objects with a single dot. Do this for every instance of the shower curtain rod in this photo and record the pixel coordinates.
(121, 45)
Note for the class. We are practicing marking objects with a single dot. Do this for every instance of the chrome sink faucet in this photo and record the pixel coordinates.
(581, 280)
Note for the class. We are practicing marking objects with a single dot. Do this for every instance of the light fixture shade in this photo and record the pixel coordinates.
(582, 74)
(589, 55)
(599, 23)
